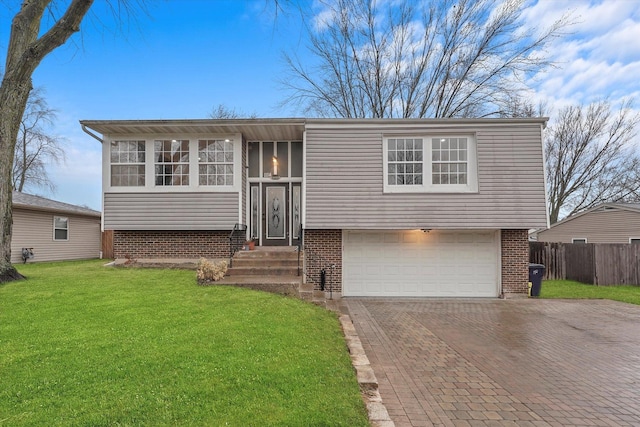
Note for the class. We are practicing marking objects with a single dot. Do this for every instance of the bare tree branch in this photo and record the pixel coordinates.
(417, 59)
(591, 158)
(35, 147)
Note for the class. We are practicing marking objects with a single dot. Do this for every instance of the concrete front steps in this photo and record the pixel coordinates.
(266, 269)
(275, 269)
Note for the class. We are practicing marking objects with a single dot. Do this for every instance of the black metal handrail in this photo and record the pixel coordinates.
(300, 244)
(237, 239)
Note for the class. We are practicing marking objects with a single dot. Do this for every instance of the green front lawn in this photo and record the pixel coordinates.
(87, 345)
(576, 290)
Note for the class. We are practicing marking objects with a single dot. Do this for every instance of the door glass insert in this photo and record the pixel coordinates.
(296, 211)
(255, 212)
(276, 212)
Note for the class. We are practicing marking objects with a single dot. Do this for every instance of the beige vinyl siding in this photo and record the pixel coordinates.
(170, 211)
(600, 226)
(344, 174)
(34, 229)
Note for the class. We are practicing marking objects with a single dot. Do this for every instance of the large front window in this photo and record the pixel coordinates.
(215, 162)
(127, 163)
(172, 162)
(430, 164)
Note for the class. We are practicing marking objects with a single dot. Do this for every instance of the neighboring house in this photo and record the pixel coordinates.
(56, 231)
(605, 223)
(393, 207)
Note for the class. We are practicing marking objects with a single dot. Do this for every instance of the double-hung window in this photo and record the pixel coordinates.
(127, 163)
(430, 163)
(60, 228)
(172, 162)
(215, 162)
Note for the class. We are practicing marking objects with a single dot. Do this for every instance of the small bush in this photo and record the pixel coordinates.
(210, 271)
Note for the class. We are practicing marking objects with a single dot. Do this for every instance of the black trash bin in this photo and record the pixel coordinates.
(536, 271)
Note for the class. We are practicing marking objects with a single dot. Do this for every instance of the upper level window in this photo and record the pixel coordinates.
(171, 162)
(405, 161)
(215, 162)
(60, 228)
(127, 163)
(430, 164)
(449, 161)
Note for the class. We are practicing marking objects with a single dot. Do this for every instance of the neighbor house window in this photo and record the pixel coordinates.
(634, 240)
(60, 228)
(215, 162)
(127, 163)
(171, 162)
(579, 240)
(430, 164)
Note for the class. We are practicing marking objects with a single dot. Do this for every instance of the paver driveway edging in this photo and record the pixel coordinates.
(520, 362)
(367, 380)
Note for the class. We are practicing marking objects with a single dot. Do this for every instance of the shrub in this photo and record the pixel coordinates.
(210, 271)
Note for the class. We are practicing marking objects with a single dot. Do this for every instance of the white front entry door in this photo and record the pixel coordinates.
(414, 263)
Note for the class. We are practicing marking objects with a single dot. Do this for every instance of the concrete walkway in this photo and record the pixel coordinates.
(503, 363)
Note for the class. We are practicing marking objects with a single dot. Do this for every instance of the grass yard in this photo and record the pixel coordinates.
(576, 290)
(87, 345)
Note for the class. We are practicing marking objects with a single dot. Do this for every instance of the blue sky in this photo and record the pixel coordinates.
(187, 56)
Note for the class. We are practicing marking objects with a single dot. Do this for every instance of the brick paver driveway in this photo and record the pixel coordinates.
(494, 362)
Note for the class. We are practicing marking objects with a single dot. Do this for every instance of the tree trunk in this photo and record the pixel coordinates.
(24, 53)
(13, 99)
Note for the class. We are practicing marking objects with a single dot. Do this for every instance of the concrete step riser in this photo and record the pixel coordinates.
(251, 271)
(241, 262)
(265, 255)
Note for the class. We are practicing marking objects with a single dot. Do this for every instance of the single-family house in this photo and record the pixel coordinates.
(393, 207)
(604, 223)
(52, 230)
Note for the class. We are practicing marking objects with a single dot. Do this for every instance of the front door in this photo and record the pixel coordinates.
(275, 228)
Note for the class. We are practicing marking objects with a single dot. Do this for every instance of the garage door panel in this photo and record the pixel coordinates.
(414, 263)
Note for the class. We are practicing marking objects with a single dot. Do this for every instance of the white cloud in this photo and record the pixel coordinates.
(599, 58)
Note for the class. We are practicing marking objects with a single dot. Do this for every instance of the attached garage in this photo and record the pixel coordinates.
(413, 263)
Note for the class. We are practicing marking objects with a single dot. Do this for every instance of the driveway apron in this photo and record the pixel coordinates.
(518, 362)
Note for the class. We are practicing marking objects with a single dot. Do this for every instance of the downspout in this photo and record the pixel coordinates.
(91, 134)
(96, 137)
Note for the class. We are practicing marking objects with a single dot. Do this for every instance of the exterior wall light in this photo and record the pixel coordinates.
(274, 169)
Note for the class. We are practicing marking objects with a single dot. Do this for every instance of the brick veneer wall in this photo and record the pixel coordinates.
(515, 261)
(324, 247)
(170, 244)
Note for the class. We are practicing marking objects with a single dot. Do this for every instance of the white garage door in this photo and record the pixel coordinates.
(426, 264)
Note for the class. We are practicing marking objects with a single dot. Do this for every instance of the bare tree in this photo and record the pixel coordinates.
(591, 158)
(36, 147)
(221, 111)
(450, 58)
(37, 29)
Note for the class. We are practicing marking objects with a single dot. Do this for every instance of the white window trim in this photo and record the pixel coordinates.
(633, 238)
(573, 239)
(54, 228)
(193, 186)
(427, 186)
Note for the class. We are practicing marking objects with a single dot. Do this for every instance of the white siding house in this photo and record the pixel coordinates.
(395, 207)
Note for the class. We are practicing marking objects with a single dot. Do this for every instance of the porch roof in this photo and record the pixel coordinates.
(252, 129)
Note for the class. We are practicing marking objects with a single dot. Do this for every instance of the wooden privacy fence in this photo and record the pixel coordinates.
(107, 244)
(596, 263)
